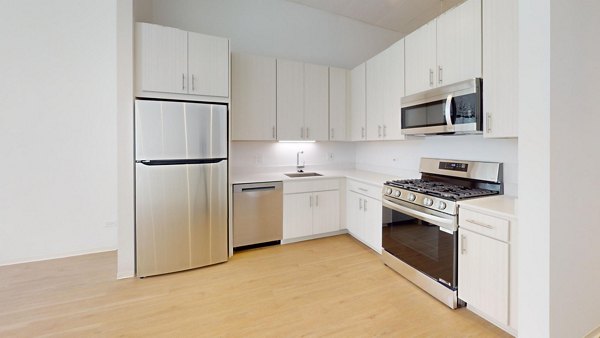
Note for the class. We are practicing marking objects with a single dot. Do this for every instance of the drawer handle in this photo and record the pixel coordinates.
(480, 224)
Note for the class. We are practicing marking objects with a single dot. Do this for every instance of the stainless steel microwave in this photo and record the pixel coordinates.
(451, 109)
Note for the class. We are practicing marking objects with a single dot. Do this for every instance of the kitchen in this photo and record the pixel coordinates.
(391, 159)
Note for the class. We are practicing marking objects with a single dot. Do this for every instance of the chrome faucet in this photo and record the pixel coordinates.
(299, 166)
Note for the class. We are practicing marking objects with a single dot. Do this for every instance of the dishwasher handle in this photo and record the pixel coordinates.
(257, 187)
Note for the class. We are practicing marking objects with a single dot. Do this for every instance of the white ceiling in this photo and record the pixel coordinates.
(402, 16)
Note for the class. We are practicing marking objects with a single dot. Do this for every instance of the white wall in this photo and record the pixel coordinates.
(402, 157)
(57, 128)
(274, 28)
(275, 156)
(574, 168)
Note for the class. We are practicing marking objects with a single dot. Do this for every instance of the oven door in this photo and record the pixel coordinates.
(422, 238)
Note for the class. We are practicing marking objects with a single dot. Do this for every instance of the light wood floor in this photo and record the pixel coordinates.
(327, 287)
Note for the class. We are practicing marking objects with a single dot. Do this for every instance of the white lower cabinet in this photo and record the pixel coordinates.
(363, 214)
(487, 270)
(308, 213)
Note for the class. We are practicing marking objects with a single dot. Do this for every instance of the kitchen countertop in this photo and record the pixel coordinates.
(501, 206)
(367, 177)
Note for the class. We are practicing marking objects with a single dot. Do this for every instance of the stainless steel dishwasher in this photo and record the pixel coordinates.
(257, 213)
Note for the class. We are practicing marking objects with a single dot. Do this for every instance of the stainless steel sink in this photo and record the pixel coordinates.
(309, 174)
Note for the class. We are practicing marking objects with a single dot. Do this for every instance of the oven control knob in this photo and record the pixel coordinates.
(397, 193)
(428, 201)
(442, 205)
(388, 191)
(412, 197)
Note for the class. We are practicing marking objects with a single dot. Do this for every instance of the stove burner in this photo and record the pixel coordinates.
(440, 189)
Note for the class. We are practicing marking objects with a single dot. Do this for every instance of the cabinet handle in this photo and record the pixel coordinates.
(301, 132)
(307, 132)
(273, 132)
(332, 134)
(440, 72)
(182, 81)
(365, 205)
(193, 80)
(317, 200)
(488, 122)
(379, 131)
(384, 132)
(360, 204)
(463, 249)
(480, 224)
(362, 132)
(430, 77)
(310, 201)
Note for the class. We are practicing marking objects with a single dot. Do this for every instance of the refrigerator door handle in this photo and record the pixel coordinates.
(181, 161)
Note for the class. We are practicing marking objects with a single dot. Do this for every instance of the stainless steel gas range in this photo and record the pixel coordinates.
(420, 221)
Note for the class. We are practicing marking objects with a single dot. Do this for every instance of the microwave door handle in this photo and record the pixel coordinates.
(448, 110)
(448, 224)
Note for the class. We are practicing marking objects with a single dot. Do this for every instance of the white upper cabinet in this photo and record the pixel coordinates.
(302, 101)
(253, 98)
(174, 62)
(421, 59)
(358, 117)
(500, 68)
(445, 50)
(384, 92)
(208, 65)
(162, 58)
(459, 43)
(339, 103)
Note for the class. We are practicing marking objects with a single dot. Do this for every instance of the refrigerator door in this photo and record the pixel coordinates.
(181, 217)
(168, 130)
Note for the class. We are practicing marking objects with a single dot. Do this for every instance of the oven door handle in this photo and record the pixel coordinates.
(446, 224)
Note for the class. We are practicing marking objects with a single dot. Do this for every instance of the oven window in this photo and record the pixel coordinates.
(421, 245)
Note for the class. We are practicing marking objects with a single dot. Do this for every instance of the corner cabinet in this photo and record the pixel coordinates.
(172, 63)
(500, 68)
(311, 208)
(253, 98)
(339, 103)
(445, 50)
(358, 103)
(384, 92)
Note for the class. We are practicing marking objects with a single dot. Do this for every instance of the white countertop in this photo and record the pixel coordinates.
(358, 175)
(502, 206)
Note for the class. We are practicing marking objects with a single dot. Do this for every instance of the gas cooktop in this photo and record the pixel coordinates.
(444, 190)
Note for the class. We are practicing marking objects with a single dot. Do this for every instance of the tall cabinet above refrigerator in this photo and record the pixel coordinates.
(181, 185)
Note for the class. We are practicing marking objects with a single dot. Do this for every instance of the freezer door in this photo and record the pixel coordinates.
(181, 217)
(179, 130)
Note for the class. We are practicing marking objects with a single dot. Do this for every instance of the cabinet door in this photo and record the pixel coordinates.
(377, 77)
(459, 43)
(372, 210)
(483, 274)
(316, 102)
(297, 215)
(326, 211)
(358, 103)
(500, 68)
(354, 214)
(339, 95)
(421, 59)
(393, 91)
(208, 65)
(290, 100)
(253, 98)
(163, 57)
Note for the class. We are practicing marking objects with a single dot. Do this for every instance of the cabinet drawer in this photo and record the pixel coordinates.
(364, 189)
(310, 185)
(491, 226)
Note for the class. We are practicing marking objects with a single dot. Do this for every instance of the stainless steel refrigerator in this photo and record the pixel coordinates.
(180, 185)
